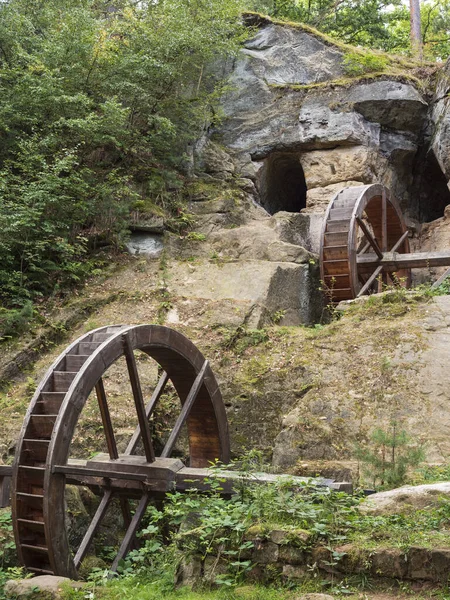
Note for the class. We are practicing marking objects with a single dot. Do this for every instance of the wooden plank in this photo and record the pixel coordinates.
(92, 529)
(372, 241)
(106, 419)
(74, 362)
(370, 281)
(131, 532)
(394, 261)
(62, 380)
(441, 279)
(5, 490)
(157, 392)
(83, 472)
(144, 425)
(185, 410)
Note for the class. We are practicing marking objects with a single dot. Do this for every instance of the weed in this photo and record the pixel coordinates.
(356, 63)
(195, 236)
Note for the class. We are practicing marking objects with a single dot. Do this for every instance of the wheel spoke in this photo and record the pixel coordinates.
(369, 282)
(144, 425)
(399, 242)
(372, 241)
(131, 531)
(126, 514)
(383, 221)
(441, 279)
(98, 517)
(148, 412)
(106, 419)
(186, 409)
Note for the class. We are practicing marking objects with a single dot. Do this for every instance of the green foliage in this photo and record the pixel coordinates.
(96, 109)
(391, 456)
(15, 321)
(372, 23)
(358, 64)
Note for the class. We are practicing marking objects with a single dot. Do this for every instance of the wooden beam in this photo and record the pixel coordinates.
(369, 282)
(106, 419)
(131, 531)
(441, 279)
(185, 410)
(89, 535)
(144, 425)
(393, 261)
(372, 241)
(148, 412)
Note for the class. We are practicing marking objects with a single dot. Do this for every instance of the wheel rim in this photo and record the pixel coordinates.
(356, 213)
(38, 491)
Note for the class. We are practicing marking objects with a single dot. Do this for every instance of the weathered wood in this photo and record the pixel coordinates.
(394, 261)
(106, 419)
(5, 485)
(148, 411)
(370, 281)
(187, 407)
(144, 424)
(375, 213)
(131, 531)
(441, 279)
(92, 529)
(370, 238)
(42, 466)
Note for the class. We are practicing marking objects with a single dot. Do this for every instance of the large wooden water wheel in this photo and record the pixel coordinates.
(364, 244)
(43, 467)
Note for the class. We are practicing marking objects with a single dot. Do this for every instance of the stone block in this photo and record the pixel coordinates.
(389, 563)
(294, 572)
(265, 553)
(292, 555)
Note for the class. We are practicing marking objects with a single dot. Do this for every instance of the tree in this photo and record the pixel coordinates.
(98, 101)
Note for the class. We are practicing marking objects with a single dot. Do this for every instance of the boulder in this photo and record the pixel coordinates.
(390, 103)
(49, 585)
(406, 498)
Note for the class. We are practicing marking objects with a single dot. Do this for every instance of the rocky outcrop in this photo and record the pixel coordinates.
(290, 101)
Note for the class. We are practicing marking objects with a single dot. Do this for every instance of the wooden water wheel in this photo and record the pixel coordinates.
(362, 222)
(43, 467)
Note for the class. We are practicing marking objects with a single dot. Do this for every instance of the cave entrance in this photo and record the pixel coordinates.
(429, 194)
(282, 184)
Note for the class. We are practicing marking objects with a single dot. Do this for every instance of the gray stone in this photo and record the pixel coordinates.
(389, 103)
(294, 572)
(212, 158)
(406, 498)
(50, 584)
(189, 571)
(265, 553)
(320, 126)
(292, 555)
(282, 54)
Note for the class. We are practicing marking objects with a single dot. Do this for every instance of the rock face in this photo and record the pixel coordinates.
(289, 117)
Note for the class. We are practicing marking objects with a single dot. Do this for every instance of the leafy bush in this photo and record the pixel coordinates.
(96, 109)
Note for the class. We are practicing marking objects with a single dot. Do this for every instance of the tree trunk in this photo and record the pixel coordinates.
(416, 34)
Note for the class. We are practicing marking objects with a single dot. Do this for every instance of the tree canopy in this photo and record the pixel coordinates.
(383, 24)
(98, 100)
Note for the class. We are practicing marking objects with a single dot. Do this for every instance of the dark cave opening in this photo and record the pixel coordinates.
(282, 184)
(430, 194)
